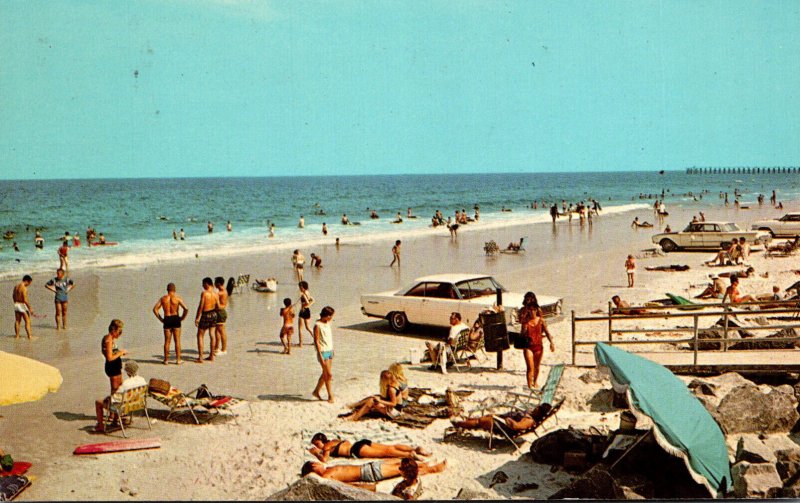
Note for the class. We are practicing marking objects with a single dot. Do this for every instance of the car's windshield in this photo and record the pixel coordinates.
(729, 227)
(479, 287)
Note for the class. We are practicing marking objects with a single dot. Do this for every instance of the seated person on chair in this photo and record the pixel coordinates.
(515, 420)
(726, 254)
(324, 449)
(133, 381)
(389, 403)
(437, 352)
(369, 474)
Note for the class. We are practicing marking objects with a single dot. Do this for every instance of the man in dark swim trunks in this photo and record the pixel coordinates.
(171, 304)
(206, 318)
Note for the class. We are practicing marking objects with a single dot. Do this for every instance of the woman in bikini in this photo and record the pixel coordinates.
(323, 449)
(389, 403)
(306, 300)
(533, 327)
(399, 374)
(287, 329)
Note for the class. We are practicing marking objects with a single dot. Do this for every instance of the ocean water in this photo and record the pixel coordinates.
(140, 214)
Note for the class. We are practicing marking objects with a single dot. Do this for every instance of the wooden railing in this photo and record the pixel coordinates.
(693, 312)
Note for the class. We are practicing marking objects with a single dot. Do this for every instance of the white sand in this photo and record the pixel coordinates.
(264, 453)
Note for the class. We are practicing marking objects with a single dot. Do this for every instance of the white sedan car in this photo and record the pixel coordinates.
(786, 226)
(430, 300)
(699, 235)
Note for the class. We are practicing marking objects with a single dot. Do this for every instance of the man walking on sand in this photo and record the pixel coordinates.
(396, 253)
(61, 286)
(22, 307)
(323, 342)
(221, 337)
(170, 304)
(206, 318)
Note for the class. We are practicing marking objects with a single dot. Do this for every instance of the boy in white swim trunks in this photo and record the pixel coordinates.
(22, 307)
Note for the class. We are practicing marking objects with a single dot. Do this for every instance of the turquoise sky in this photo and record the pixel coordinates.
(247, 88)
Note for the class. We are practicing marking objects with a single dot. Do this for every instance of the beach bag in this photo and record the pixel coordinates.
(159, 386)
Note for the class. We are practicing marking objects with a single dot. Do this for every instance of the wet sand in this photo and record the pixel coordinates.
(584, 265)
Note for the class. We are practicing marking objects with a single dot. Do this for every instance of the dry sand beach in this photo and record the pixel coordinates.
(264, 452)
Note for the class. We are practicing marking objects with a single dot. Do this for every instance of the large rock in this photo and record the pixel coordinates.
(473, 494)
(550, 448)
(755, 480)
(313, 487)
(596, 484)
(788, 465)
(711, 390)
(751, 449)
(766, 343)
(750, 409)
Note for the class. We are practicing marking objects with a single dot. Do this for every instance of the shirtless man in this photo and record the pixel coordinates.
(369, 474)
(396, 253)
(221, 344)
(22, 307)
(170, 304)
(61, 286)
(206, 318)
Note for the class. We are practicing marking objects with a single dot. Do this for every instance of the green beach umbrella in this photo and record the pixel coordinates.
(682, 426)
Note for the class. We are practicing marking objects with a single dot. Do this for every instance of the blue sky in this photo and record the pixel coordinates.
(225, 87)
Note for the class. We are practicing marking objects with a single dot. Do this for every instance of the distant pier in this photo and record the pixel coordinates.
(743, 171)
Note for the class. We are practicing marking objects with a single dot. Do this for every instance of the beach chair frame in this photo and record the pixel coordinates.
(242, 282)
(181, 403)
(133, 400)
(463, 352)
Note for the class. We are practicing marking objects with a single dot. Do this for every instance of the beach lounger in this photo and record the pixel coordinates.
(243, 281)
(783, 250)
(198, 400)
(133, 400)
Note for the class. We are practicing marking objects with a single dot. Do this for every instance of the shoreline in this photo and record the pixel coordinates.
(582, 264)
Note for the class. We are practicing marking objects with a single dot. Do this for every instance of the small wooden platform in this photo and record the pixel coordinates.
(766, 361)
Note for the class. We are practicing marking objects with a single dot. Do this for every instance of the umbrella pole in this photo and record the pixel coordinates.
(635, 444)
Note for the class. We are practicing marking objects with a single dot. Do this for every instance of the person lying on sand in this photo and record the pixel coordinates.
(324, 449)
(668, 268)
(369, 474)
(636, 223)
(622, 307)
(515, 420)
(744, 273)
(713, 291)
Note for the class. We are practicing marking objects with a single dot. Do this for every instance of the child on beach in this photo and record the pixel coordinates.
(630, 268)
(287, 329)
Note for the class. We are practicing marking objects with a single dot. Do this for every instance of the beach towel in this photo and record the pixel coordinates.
(684, 303)
(10, 487)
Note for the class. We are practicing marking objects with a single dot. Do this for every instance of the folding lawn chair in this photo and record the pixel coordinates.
(133, 400)
(243, 281)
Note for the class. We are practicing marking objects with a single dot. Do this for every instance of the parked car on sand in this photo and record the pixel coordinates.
(700, 235)
(786, 226)
(430, 300)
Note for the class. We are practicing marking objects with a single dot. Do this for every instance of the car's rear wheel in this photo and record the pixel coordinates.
(668, 245)
(398, 321)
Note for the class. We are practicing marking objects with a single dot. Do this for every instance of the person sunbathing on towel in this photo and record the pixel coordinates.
(668, 268)
(744, 273)
(369, 474)
(623, 307)
(515, 420)
(324, 449)
(636, 223)
(389, 403)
